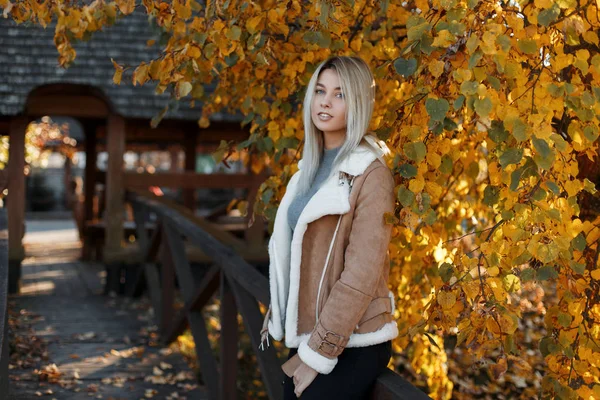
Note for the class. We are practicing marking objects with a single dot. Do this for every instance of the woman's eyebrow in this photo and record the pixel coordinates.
(320, 84)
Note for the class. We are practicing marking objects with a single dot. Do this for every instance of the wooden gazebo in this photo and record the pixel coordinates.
(115, 118)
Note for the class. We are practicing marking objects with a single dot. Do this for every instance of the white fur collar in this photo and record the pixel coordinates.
(285, 249)
(357, 162)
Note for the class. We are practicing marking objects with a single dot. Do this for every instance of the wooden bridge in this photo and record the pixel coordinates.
(83, 343)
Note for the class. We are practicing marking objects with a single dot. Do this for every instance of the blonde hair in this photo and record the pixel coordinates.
(358, 86)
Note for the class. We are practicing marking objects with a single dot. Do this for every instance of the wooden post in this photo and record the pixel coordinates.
(189, 195)
(16, 199)
(115, 206)
(90, 170)
(229, 342)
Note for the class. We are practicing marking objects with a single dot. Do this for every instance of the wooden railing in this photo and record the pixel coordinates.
(3, 305)
(241, 287)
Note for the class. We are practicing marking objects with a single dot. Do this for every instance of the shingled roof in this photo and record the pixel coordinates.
(28, 59)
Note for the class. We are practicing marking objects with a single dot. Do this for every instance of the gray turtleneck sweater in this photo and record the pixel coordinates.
(300, 201)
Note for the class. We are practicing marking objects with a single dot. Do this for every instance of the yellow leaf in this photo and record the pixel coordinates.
(596, 274)
(416, 185)
(446, 299)
(182, 9)
(436, 67)
(444, 39)
(590, 37)
(252, 24)
(183, 89)
(118, 72)
(140, 75)
(126, 6)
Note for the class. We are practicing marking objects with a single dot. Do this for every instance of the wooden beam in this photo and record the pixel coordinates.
(67, 104)
(185, 180)
(16, 188)
(391, 386)
(115, 207)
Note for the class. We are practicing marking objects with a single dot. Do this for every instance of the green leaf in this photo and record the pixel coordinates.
(415, 151)
(430, 217)
(324, 39)
(405, 67)
(578, 242)
(408, 171)
(511, 156)
(483, 107)
(515, 177)
(578, 268)
(544, 162)
(405, 196)
(437, 108)
(546, 272)
(497, 132)
(475, 58)
(234, 33)
(494, 82)
(507, 215)
(491, 195)
(528, 46)
(527, 274)
(539, 194)
(415, 32)
(449, 124)
(458, 103)
(446, 271)
(559, 142)
(469, 88)
(591, 133)
(519, 130)
(541, 146)
(555, 90)
(522, 258)
(266, 195)
(553, 187)
(446, 165)
(564, 319)
(547, 16)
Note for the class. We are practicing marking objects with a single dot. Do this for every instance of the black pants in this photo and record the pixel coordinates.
(351, 379)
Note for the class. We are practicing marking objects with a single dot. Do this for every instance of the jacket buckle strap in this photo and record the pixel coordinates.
(331, 350)
(338, 338)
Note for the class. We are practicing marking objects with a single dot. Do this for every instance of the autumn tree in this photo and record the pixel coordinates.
(490, 109)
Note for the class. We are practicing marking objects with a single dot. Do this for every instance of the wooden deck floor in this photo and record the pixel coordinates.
(102, 347)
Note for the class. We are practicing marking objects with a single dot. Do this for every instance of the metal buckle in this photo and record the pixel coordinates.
(339, 337)
(334, 348)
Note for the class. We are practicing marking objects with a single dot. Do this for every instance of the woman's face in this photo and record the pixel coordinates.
(328, 108)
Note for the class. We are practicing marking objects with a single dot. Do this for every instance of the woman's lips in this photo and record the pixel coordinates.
(324, 116)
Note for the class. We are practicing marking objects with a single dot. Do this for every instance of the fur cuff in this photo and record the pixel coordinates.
(315, 360)
(274, 331)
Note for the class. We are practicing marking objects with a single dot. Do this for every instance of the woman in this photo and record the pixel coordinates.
(329, 265)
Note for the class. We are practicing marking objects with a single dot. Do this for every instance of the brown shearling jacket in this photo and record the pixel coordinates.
(329, 280)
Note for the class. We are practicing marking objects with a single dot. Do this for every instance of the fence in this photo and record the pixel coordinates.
(241, 287)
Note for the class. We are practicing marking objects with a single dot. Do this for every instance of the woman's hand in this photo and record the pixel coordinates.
(303, 376)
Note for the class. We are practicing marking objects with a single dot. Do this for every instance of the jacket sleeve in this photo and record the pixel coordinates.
(363, 259)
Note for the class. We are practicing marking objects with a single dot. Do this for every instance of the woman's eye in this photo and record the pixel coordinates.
(340, 95)
(318, 91)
